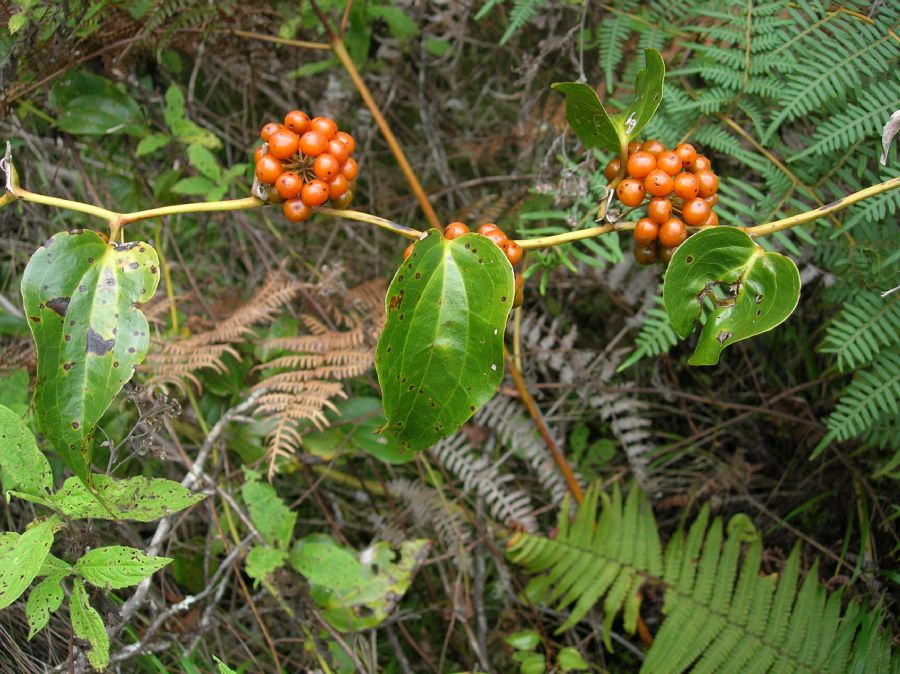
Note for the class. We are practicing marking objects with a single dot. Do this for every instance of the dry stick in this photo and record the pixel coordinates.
(558, 458)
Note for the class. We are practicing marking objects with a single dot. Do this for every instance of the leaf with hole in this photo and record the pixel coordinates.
(81, 298)
(595, 127)
(138, 498)
(88, 625)
(21, 558)
(116, 566)
(752, 290)
(440, 356)
(45, 598)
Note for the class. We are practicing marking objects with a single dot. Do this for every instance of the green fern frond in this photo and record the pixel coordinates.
(612, 33)
(522, 12)
(655, 338)
(721, 614)
(872, 396)
(864, 327)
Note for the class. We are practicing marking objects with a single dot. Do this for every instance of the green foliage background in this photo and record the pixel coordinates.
(137, 103)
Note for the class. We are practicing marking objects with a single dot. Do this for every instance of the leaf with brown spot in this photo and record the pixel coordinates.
(81, 293)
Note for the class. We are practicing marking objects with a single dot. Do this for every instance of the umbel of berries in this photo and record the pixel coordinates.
(679, 189)
(489, 230)
(305, 162)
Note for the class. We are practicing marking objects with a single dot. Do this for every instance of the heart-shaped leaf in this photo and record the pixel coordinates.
(80, 295)
(595, 127)
(440, 356)
(753, 291)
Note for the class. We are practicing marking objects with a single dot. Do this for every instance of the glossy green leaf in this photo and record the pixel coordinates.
(80, 295)
(440, 356)
(111, 113)
(756, 290)
(116, 566)
(526, 640)
(595, 127)
(21, 558)
(23, 466)
(570, 660)
(141, 499)
(88, 625)
(45, 598)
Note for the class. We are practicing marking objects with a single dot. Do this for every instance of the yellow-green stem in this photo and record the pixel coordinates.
(67, 204)
(199, 207)
(384, 223)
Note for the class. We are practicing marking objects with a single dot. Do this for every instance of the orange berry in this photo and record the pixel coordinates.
(668, 162)
(408, 251)
(337, 186)
(687, 154)
(272, 195)
(686, 185)
(296, 211)
(283, 144)
(612, 170)
(701, 163)
(297, 121)
(712, 220)
(513, 252)
(488, 227)
(713, 200)
(659, 209)
(654, 147)
(326, 166)
(269, 129)
(259, 152)
(325, 126)
(520, 281)
(519, 297)
(630, 192)
(498, 237)
(658, 183)
(289, 185)
(645, 254)
(344, 200)
(708, 181)
(634, 146)
(665, 254)
(268, 168)
(347, 140)
(672, 233)
(640, 164)
(455, 230)
(340, 151)
(350, 168)
(695, 211)
(645, 231)
(313, 143)
(315, 192)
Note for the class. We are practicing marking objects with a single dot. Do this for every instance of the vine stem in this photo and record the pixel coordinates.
(802, 218)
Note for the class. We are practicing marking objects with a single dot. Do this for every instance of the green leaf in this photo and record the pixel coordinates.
(312, 68)
(437, 47)
(193, 186)
(14, 390)
(271, 517)
(21, 558)
(173, 111)
(595, 127)
(141, 499)
(150, 144)
(116, 566)
(526, 640)
(761, 289)
(398, 22)
(111, 113)
(88, 625)
(16, 22)
(440, 356)
(263, 560)
(45, 598)
(532, 663)
(204, 161)
(81, 296)
(570, 660)
(222, 667)
(23, 466)
(356, 591)
(182, 128)
(588, 118)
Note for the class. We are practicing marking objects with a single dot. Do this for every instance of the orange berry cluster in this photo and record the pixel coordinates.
(489, 230)
(304, 163)
(677, 182)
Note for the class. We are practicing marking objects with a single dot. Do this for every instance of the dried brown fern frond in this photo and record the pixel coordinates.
(176, 362)
(310, 375)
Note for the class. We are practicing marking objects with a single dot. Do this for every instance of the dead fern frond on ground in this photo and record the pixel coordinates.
(308, 372)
